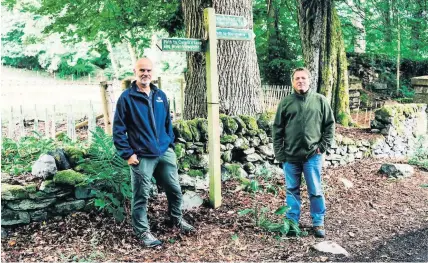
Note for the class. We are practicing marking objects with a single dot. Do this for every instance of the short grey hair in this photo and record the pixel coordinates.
(300, 69)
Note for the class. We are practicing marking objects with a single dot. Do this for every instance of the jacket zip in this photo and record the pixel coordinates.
(152, 115)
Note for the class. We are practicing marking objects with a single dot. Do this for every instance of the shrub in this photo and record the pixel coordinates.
(18, 157)
(420, 153)
(108, 175)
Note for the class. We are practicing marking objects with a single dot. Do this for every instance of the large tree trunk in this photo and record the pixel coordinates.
(324, 53)
(239, 76)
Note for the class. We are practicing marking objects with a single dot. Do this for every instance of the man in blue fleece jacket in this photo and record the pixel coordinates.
(142, 134)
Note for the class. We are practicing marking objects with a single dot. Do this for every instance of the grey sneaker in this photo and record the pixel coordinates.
(184, 226)
(149, 240)
(319, 231)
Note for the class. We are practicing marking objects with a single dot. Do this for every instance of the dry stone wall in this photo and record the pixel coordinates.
(246, 151)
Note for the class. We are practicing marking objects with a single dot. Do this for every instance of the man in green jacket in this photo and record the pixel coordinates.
(302, 131)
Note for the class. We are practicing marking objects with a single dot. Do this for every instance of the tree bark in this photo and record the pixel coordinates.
(324, 54)
(239, 76)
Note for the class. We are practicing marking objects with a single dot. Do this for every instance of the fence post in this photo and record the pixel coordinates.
(159, 83)
(53, 124)
(91, 121)
(46, 123)
(71, 128)
(11, 124)
(36, 120)
(108, 105)
(21, 122)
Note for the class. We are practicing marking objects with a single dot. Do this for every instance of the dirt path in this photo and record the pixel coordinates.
(374, 220)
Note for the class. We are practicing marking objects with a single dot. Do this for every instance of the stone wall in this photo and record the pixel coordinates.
(420, 85)
(246, 151)
(378, 72)
(22, 204)
(400, 124)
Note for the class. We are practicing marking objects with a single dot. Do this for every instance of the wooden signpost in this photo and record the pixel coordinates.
(222, 27)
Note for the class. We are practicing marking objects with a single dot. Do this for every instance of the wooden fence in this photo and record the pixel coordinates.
(49, 120)
(272, 95)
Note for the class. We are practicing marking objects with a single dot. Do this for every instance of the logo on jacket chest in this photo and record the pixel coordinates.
(159, 99)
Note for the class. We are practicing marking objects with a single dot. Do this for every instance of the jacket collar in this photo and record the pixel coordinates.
(134, 89)
(303, 96)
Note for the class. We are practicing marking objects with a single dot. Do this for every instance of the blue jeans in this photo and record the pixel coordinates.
(312, 172)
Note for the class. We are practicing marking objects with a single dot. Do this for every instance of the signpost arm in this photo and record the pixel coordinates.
(213, 108)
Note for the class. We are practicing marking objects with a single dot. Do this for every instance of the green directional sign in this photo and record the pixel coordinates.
(234, 34)
(230, 21)
(181, 44)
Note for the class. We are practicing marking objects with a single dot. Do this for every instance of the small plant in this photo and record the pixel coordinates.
(420, 153)
(17, 157)
(261, 219)
(108, 175)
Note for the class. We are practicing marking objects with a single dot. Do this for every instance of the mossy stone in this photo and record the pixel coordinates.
(229, 124)
(228, 138)
(179, 150)
(31, 188)
(233, 170)
(196, 173)
(193, 126)
(182, 130)
(74, 154)
(203, 128)
(242, 127)
(69, 177)
(265, 120)
(250, 122)
(13, 192)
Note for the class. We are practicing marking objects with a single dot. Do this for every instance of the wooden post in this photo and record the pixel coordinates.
(21, 122)
(11, 123)
(213, 108)
(109, 105)
(36, 120)
(53, 124)
(159, 83)
(181, 98)
(46, 123)
(92, 122)
(126, 83)
(71, 129)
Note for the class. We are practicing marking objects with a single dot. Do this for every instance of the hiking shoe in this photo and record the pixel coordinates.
(319, 231)
(184, 226)
(149, 240)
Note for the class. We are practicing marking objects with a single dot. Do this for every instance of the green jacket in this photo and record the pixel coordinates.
(302, 124)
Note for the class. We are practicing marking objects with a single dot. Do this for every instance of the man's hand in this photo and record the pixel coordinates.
(133, 160)
(318, 151)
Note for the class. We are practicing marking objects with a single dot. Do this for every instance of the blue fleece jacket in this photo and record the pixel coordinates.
(141, 125)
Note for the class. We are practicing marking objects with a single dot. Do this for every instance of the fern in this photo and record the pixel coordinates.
(108, 175)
